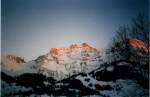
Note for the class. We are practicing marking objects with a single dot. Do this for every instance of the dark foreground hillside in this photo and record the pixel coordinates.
(116, 79)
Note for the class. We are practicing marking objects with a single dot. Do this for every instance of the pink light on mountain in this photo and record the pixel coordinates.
(139, 44)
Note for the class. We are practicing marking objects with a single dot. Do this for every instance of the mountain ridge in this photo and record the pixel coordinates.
(58, 62)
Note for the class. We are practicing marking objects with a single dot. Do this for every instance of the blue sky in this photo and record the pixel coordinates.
(31, 27)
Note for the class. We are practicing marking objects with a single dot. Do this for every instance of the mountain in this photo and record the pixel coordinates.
(58, 63)
(82, 52)
(11, 62)
(64, 62)
(14, 65)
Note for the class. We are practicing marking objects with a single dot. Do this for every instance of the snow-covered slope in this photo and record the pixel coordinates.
(105, 82)
(119, 88)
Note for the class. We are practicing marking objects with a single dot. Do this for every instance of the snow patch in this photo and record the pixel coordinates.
(110, 68)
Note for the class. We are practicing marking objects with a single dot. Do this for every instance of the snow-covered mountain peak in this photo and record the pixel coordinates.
(70, 60)
(56, 53)
(11, 64)
(12, 59)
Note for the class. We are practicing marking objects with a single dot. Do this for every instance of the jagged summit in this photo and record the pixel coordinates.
(61, 51)
(85, 46)
(16, 58)
(13, 59)
(11, 63)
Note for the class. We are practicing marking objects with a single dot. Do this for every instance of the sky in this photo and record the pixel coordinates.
(31, 27)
